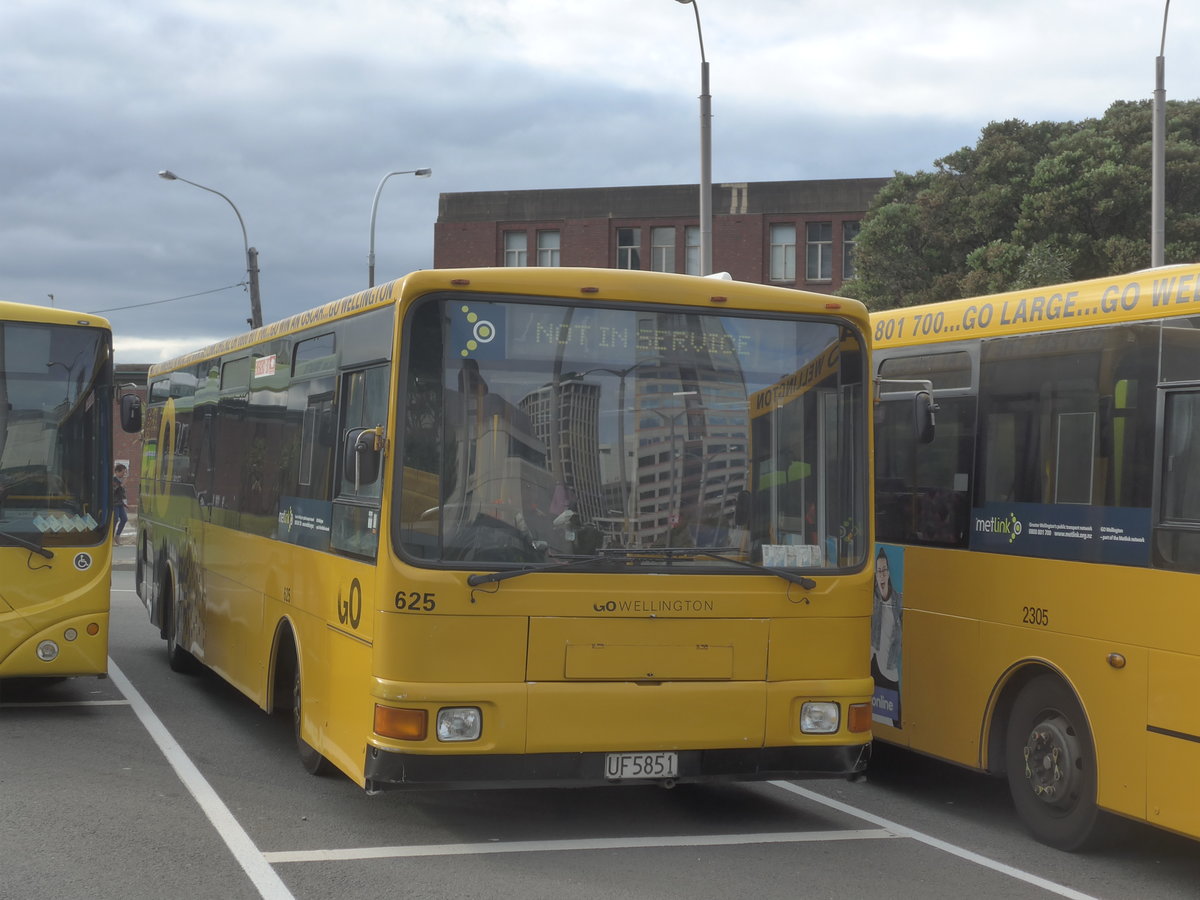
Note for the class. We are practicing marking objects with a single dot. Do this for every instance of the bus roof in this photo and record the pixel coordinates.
(1147, 294)
(11, 311)
(612, 284)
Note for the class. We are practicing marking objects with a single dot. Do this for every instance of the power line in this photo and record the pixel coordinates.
(168, 300)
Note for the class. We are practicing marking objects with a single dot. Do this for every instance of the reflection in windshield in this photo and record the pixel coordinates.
(534, 431)
(53, 429)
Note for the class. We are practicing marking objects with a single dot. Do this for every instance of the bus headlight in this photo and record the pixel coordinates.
(459, 723)
(819, 717)
(47, 651)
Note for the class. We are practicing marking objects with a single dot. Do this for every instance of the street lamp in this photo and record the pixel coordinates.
(1158, 164)
(255, 320)
(419, 173)
(705, 153)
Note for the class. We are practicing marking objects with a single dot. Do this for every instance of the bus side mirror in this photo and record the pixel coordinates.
(131, 413)
(362, 456)
(924, 407)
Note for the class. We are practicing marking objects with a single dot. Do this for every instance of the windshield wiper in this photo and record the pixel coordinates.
(631, 556)
(571, 562)
(28, 545)
(803, 580)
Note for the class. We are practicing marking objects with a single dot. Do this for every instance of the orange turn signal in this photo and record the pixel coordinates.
(858, 718)
(93, 628)
(401, 724)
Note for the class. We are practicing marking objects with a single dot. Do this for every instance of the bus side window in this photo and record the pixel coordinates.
(355, 527)
(1177, 535)
(922, 480)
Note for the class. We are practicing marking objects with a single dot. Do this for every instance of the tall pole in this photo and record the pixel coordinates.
(1158, 165)
(255, 320)
(419, 173)
(705, 152)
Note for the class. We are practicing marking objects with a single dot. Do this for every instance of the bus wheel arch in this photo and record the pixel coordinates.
(282, 671)
(285, 692)
(1049, 757)
(179, 659)
(1000, 715)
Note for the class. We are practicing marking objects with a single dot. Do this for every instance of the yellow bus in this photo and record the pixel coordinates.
(495, 527)
(56, 400)
(1035, 613)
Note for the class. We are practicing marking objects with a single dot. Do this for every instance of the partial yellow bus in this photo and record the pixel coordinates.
(503, 527)
(1036, 607)
(56, 401)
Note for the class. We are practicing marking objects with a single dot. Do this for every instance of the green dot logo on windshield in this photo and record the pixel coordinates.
(482, 332)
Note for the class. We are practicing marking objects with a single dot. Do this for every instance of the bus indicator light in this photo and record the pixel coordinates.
(858, 718)
(401, 724)
(93, 628)
(70, 634)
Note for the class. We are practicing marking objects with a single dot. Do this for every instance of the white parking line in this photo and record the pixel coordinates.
(936, 843)
(269, 884)
(49, 703)
(623, 843)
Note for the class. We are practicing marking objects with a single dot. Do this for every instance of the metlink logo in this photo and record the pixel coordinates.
(1009, 525)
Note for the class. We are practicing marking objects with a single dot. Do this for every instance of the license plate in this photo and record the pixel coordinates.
(662, 764)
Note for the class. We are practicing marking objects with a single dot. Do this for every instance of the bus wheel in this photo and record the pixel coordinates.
(1052, 765)
(314, 763)
(177, 658)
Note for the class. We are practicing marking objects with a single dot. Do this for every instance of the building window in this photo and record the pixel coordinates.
(783, 252)
(547, 248)
(691, 249)
(820, 251)
(516, 248)
(629, 248)
(662, 249)
(849, 242)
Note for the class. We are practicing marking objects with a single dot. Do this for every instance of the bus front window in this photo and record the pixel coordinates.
(538, 430)
(53, 426)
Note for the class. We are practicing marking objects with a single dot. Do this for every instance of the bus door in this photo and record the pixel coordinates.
(354, 534)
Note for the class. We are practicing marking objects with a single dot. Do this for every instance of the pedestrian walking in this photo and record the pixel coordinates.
(118, 494)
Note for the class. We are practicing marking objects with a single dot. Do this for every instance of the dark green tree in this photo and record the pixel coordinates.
(1031, 204)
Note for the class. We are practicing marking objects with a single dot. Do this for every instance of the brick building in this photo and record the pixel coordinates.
(797, 234)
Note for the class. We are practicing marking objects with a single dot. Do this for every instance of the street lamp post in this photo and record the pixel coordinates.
(255, 320)
(705, 152)
(419, 173)
(1158, 164)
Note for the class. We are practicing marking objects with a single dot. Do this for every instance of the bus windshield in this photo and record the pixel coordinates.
(536, 430)
(54, 479)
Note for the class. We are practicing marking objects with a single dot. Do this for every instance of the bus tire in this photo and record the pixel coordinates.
(314, 763)
(1051, 764)
(177, 658)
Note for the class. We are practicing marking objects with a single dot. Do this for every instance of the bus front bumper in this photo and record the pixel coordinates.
(391, 770)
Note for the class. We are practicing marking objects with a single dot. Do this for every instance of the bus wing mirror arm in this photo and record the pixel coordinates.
(924, 405)
(364, 447)
(924, 409)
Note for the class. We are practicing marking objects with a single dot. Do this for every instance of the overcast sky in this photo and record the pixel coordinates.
(295, 110)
